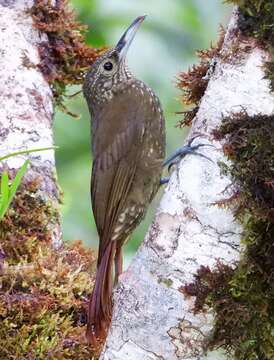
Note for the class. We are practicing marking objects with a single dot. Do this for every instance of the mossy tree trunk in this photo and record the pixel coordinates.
(44, 284)
(27, 112)
(171, 303)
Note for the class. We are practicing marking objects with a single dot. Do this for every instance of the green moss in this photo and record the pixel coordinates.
(42, 303)
(64, 55)
(43, 292)
(249, 145)
(29, 218)
(243, 296)
(257, 20)
(167, 282)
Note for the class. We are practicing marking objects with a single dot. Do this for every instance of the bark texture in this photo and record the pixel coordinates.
(152, 318)
(26, 103)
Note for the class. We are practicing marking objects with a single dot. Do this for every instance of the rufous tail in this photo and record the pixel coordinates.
(100, 304)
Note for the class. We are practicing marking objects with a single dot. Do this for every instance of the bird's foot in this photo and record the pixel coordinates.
(174, 158)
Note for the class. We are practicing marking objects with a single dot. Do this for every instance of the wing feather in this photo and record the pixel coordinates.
(116, 150)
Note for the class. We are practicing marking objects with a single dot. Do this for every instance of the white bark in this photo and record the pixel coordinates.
(26, 101)
(152, 319)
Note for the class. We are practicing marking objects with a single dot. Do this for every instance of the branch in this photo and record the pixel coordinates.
(26, 105)
(152, 318)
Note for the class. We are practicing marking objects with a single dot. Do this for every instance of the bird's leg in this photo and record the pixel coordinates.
(118, 264)
(174, 158)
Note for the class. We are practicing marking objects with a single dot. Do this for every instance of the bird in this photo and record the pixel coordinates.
(128, 147)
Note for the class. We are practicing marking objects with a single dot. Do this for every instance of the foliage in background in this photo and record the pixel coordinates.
(165, 45)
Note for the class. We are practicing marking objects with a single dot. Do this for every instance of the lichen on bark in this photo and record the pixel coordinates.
(242, 295)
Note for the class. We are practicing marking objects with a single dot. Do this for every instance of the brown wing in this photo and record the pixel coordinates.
(118, 130)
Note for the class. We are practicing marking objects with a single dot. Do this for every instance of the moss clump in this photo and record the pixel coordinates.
(42, 302)
(194, 82)
(243, 296)
(64, 56)
(29, 217)
(43, 291)
(165, 281)
(256, 19)
(249, 145)
(209, 286)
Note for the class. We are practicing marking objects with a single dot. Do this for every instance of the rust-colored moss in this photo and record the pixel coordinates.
(209, 286)
(42, 302)
(64, 55)
(255, 21)
(28, 218)
(43, 292)
(194, 82)
(243, 296)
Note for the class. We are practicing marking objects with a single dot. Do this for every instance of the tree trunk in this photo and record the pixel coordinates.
(152, 318)
(27, 106)
(44, 283)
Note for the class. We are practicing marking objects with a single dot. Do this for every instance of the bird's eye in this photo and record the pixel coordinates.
(108, 66)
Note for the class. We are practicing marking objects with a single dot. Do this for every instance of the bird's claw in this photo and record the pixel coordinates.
(187, 149)
(164, 180)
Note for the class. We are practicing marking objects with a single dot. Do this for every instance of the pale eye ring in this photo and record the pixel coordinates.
(108, 66)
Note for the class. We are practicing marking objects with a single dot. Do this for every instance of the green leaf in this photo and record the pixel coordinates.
(4, 190)
(17, 180)
(22, 152)
(8, 192)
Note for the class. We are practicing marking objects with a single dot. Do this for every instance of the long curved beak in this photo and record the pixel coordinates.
(126, 39)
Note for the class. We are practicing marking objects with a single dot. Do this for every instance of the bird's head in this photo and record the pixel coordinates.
(110, 68)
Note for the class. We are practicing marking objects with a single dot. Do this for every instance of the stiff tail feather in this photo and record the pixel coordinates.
(100, 304)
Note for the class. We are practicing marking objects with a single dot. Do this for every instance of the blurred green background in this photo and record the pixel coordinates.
(164, 46)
